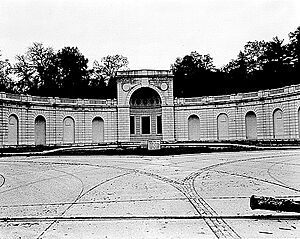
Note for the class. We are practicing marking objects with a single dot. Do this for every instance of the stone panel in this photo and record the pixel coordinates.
(168, 123)
(123, 124)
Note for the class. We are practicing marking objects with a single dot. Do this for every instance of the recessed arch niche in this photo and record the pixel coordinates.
(69, 130)
(251, 125)
(13, 130)
(40, 130)
(278, 124)
(98, 130)
(223, 126)
(194, 127)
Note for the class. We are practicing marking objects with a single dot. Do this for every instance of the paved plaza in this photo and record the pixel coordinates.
(178, 196)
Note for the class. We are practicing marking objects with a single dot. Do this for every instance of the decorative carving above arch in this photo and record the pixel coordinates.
(137, 87)
(145, 97)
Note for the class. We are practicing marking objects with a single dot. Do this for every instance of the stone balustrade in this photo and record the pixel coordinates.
(256, 95)
(55, 100)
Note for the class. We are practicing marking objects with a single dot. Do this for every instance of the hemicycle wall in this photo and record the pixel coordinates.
(146, 109)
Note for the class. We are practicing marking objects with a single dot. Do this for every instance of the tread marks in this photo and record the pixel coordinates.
(79, 197)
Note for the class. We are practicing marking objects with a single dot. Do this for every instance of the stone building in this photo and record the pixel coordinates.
(146, 109)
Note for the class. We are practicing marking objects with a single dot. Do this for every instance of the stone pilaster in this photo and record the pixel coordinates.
(168, 127)
(123, 124)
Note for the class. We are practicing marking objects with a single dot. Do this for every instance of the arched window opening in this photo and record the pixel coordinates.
(69, 130)
(251, 125)
(194, 127)
(223, 127)
(97, 130)
(40, 130)
(278, 124)
(13, 130)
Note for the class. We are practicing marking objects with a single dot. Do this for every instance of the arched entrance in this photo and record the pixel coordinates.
(98, 130)
(40, 130)
(278, 124)
(69, 130)
(194, 127)
(145, 115)
(13, 130)
(251, 125)
(223, 131)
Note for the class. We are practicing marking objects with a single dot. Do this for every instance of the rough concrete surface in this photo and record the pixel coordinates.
(179, 196)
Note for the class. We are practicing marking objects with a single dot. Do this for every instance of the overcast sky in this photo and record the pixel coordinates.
(150, 33)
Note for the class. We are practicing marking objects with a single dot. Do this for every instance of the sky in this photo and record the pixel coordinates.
(151, 34)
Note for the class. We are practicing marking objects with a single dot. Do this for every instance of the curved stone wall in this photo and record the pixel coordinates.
(262, 115)
(268, 114)
(66, 121)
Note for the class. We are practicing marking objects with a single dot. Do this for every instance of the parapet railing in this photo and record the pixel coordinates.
(144, 73)
(256, 95)
(56, 100)
(278, 92)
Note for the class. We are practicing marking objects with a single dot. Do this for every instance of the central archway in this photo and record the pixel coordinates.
(145, 115)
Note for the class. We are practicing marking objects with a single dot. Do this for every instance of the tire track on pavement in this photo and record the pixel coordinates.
(217, 224)
(219, 227)
(79, 197)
